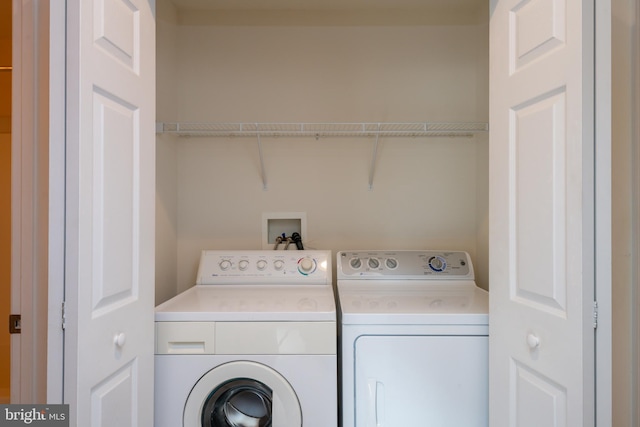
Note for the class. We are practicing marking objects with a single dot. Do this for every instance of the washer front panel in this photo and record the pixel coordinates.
(284, 406)
(312, 377)
(246, 338)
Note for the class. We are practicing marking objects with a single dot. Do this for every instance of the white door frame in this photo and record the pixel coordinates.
(636, 220)
(19, 74)
(603, 243)
(57, 143)
(29, 225)
(37, 201)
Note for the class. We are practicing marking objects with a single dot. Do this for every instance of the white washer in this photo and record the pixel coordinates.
(252, 344)
(414, 339)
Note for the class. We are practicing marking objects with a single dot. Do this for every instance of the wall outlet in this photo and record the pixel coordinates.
(274, 224)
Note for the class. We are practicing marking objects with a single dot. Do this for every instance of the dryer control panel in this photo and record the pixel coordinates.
(405, 265)
(264, 266)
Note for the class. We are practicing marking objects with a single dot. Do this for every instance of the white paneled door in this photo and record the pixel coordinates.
(110, 185)
(541, 209)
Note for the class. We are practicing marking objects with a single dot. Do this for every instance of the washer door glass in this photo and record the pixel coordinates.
(241, 402)
(242, 394)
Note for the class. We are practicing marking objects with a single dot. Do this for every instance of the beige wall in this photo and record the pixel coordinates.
(166, 154)
(625, 219)
(427, 193)
(5, 194)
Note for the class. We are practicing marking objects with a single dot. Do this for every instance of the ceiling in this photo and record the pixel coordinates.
(331, 12)
(329, 5)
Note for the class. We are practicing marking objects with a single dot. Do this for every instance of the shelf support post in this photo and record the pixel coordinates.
(263, 174)
(372, 168)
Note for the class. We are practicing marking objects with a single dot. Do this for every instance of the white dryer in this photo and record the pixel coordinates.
(414, 329)
(252, 344)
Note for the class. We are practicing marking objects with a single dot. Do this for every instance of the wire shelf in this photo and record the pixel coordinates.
(323, 130)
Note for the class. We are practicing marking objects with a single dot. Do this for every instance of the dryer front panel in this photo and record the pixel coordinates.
(421, 380)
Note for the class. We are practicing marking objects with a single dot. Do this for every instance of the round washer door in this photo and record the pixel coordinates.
(242, 394)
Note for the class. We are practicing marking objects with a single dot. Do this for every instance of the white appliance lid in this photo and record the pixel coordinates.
(250, 302)
(409, 287)
(396, 302)
(256, 285)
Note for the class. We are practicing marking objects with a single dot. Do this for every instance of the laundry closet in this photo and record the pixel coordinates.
(370, 118)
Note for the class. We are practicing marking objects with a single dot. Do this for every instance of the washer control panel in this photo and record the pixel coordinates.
(405, 265)
(264, 266)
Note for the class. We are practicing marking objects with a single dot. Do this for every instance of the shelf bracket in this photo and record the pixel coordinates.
(372, 168)
(263, 174)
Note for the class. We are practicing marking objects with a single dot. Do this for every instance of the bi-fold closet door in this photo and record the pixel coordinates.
(542, 243)
(108, 313)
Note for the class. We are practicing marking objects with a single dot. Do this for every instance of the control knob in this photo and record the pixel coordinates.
(437, 263)
(373, 263)
(306, 265)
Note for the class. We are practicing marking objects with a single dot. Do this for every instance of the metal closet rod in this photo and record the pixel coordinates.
(9, 68)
